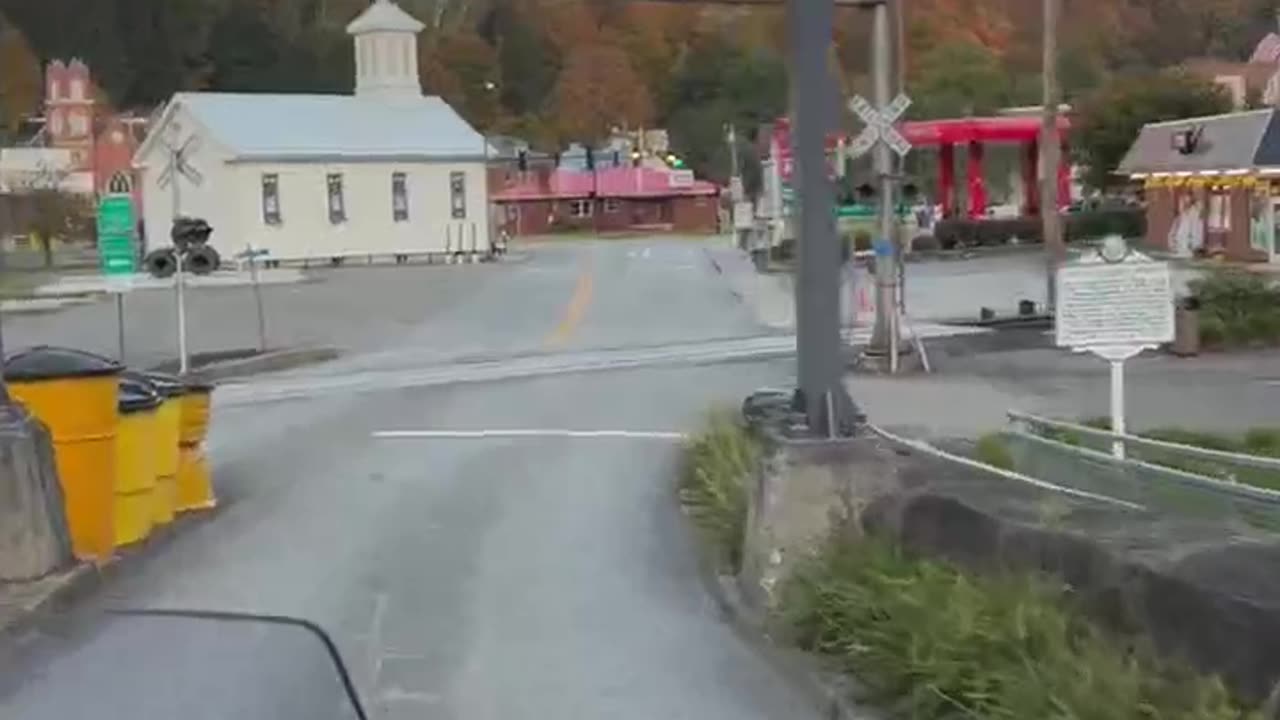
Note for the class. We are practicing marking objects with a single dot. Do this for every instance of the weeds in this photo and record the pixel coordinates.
(933, 642)
(713, 485)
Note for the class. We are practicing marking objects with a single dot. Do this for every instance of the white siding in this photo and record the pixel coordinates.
(211, 199)
(370, 229)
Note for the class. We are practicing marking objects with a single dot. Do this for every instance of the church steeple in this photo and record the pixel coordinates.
(386, 47)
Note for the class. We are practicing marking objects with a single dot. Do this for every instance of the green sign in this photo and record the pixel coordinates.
(115, 235)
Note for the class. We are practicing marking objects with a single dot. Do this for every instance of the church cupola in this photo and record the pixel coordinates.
(386, 47)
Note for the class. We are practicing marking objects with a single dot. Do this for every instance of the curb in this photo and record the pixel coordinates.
(831, 693)
(268, 362)
(77, 583)
(271, 361)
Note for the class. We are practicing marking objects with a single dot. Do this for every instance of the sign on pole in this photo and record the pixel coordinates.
(879, 126)
(1114, 303)
(116, 224)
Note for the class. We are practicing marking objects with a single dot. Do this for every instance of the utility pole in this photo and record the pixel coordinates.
(884, 336)
(1051, 155)
(822, 396)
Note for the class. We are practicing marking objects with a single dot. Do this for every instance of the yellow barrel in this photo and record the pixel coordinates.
(195, 413)
(164, 442)
(74, 394)
(195, 481)
(135, 464)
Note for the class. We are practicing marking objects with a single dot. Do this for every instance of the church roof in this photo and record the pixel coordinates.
(383, 16)
(286, 127)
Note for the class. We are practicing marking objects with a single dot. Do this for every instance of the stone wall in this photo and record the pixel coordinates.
(1199, 589)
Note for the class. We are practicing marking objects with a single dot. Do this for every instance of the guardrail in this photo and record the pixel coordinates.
(940, 454)
(1181, 480)
(1200, 453)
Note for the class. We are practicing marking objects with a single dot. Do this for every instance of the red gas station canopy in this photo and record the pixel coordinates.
(961, 131)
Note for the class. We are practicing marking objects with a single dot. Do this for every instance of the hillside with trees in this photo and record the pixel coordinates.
(555, 71)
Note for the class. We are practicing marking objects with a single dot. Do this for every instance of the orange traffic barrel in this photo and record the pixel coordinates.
(164, 444)
(195, 481)
(74, 394)
(135, 462)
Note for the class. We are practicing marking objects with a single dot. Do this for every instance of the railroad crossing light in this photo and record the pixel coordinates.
(635, 158)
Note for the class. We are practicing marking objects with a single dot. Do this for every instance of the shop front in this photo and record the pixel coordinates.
(1211, 185)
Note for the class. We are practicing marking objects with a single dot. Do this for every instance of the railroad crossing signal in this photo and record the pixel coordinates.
(181, 153)
(880, 126)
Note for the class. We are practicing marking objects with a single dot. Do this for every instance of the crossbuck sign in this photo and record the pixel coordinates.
(879, 125)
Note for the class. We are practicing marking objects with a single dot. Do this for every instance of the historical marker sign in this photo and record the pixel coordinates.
(1105, 304)
(1114, 304)
(116, 223)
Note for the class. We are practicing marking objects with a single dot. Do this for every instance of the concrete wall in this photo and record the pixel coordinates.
(1196, 588)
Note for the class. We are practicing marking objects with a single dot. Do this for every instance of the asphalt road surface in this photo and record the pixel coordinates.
(478, 548)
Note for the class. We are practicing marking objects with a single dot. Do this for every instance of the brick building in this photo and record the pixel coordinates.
(607, 200)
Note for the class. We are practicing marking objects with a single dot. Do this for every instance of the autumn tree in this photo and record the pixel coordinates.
(463, 69)
(1108, 121)
(597, 91)
(21, 83)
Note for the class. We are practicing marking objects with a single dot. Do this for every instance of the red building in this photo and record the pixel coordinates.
(607, 200)
(101, 143)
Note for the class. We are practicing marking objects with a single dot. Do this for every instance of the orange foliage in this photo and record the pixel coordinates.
(597, 91)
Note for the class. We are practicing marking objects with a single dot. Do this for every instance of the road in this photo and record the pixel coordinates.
(478, 576)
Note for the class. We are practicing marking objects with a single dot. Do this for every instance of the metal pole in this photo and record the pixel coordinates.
(179, 282)
(257, 299)
(733, 152)
(120, 323)
(818, 342)
(1117, 406)
(1050, 155)
(886, 263)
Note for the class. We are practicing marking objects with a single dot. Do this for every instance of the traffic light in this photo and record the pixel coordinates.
(591, 159)
(617, 158)
(522, 161)
(635, 158)
(674, 161)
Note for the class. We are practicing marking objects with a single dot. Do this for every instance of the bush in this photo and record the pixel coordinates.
(925, 243)
(1081, 226)
(1237, 308)
(939, 643)
(713, 487)
(993, 450)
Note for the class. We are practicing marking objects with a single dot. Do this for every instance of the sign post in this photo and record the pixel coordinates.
(116, 256)
(250, 255)
(881, 134)
(1114, 303)
(178, 168)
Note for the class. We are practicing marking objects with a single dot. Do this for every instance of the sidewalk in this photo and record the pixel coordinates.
(79, 285)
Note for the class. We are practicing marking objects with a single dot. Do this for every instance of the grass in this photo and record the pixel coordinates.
(931, 642)
(713, 485)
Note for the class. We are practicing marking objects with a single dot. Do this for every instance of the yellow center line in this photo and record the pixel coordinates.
(576, 309)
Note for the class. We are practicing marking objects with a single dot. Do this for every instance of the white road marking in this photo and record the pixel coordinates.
(525, 433)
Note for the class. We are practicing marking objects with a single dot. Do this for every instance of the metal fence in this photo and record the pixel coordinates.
(1164, 477)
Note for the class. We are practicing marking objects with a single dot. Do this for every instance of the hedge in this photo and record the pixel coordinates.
(1089, 225)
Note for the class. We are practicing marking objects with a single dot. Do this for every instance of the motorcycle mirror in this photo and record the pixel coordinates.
(189, 664)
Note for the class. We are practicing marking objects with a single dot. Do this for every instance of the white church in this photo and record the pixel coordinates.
(386, 171)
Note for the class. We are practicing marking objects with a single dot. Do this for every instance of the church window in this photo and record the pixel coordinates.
(399, 197)
(337, 205)
(458, 195)
(271, 199)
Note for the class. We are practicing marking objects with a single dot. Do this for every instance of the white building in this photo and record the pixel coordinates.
(385, 171)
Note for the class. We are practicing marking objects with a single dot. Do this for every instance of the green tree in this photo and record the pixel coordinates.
(528, 62)
(21, 87)
(1107, 121)
(717, 84)
(957, 79)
